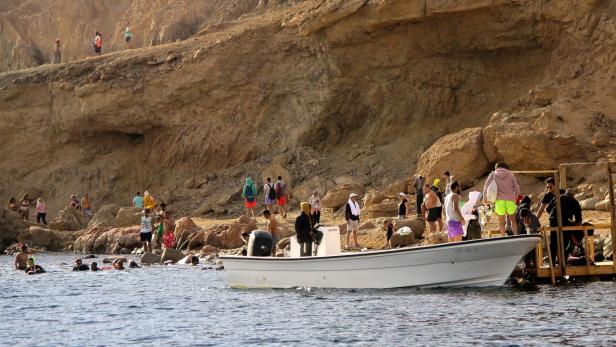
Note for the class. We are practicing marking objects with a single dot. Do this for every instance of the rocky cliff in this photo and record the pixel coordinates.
(325, 88)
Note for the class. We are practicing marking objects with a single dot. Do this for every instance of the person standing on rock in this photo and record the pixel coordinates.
(402, 206)
(98, 43)
(160, 230)
(315, 207)
(304, 230)
(168, 229)
(148, 201)
(40, 211)
(281, 196)
(432, 207)
(272, 227)
(249, 193)
(24, 207)
(146, 231)
(74, 203)
(447, 178)
(418, 184)
(138, 200)
(270, 194)
(508, 191)
(128, 35)
(86, 206)
(57, 54)
(351, 214)
(455, 220)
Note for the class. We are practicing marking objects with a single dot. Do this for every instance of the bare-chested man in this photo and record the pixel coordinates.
(272, 227)
(21, 259)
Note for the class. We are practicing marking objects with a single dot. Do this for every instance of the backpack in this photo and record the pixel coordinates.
(271, 194)
(492, 190)
(249, 194)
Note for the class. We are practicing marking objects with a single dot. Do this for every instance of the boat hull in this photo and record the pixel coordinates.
(477, 263)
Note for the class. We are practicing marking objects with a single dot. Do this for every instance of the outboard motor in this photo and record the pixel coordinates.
(260, 244)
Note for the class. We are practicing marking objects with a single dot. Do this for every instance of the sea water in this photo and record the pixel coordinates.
(180, 305)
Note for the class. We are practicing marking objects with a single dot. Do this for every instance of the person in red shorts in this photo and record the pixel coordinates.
(249, 193)
(281, 196)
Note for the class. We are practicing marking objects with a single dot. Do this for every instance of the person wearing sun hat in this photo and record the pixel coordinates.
(351, 213)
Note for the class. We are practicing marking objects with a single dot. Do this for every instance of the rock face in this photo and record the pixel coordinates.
(68, 219)
(50, 240)
(338, 196)
(149, 258)
(172, 254)
(104, 217)
(127, 216)
(460, 153)
(368, 85)
(11, 225)
(108, 241)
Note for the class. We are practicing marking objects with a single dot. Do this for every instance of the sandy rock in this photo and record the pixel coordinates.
(461, 153)
(11, 225)
(398, 186)
(418, 226)
(51, 240)
(283, 243)
(338, 196)
(149, 258)
(104, 217)
(68, 219)
(603, 205)
(208, 249)
(184, 227)
(171, 254)
(383, 209)
(436, 237)
(589, 204)
(128, 216)
(398, 240)
(108, 241)
(373, 197)
(367, 225)
(601, 138)
(303, 191)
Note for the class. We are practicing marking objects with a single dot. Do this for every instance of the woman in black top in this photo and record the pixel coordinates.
(304, 229)
(402, 206)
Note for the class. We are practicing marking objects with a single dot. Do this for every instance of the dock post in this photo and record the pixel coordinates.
(562, 174)
(610, 182)
(547, 243)
(559, 232)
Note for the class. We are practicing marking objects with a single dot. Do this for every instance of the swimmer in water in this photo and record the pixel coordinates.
(118, 264)
(94, 266)
(32, 268)
(133, 265)
(80, 266)
(21, 258)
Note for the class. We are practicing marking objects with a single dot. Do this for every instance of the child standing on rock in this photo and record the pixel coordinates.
(146, 231)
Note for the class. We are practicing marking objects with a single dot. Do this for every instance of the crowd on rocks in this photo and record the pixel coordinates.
(97, 43)
(40, 211)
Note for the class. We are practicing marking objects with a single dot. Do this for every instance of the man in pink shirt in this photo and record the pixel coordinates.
(508, 191)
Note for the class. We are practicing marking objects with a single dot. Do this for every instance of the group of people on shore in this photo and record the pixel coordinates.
(154, 217)
(97, 43)
(40, 210)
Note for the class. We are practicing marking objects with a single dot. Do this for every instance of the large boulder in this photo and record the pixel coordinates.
(460, 153)
(184, 228)
(172, 254)
(104, 217)
(108, 241)
(436, 237)
(11, 225)
(69, 219)
(50, 240)
(603, 205)
(386, 208)
(589, 204)
(418, 226)
(398, 240)
(128, 216)
(149, 258)
(397, 187)
(373, 197)
(339, 195)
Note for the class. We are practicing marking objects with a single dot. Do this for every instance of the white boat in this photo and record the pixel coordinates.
(476, 263)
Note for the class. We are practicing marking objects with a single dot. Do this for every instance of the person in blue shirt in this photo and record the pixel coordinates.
(138, 201)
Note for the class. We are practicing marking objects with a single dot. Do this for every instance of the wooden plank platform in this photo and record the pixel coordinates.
(599, 268)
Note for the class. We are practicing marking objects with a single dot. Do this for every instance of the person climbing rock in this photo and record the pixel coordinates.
(57, 54)
(98, 43)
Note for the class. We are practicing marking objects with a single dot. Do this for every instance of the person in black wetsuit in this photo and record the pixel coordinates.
(80, 266)
(304, 229)
(32, 268)
(571, 216)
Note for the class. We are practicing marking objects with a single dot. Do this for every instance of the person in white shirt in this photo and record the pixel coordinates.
(455, 220)
(315, 207)
(146, 230)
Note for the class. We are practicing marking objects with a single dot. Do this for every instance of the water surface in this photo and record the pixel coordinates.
(187, 306)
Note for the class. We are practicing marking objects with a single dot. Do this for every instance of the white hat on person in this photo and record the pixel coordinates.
(352, 195)
(401, 194)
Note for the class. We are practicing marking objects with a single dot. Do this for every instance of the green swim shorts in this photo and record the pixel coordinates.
(504, 207)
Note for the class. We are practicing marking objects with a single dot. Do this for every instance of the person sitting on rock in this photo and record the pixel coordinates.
(94, 267)
(272, 227)
(21, 258)
(304, 229)
(118, 264)
(388, 225)
(74, 203)
(80, 266)
(32, 268)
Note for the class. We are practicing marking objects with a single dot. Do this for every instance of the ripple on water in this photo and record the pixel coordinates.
(180, 305)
